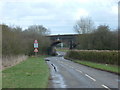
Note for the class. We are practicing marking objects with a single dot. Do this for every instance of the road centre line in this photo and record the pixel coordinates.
(90, 77)
(79, 71)
(105, 87)
(73, 67)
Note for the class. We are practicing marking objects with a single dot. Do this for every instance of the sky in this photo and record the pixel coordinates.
(59, 16)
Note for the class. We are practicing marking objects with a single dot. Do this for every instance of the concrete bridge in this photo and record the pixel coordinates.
(62, 41)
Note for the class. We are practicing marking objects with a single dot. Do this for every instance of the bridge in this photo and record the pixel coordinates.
(62, 41)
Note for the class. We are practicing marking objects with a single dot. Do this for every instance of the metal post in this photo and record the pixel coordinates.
(35, 54)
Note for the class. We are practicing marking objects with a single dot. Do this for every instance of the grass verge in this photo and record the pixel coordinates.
(62, 50)
(105, 67)
(32, 73)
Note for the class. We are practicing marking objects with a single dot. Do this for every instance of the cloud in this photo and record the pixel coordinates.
(81, 13)
(58, 15)
(114, 9)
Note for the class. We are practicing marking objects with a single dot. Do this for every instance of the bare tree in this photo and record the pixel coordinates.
(84, 25)
(39, 29)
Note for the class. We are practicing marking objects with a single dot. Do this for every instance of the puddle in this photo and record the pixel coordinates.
(57, 79)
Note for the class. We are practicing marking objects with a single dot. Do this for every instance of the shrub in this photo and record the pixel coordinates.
(15, 41)
(105, 57)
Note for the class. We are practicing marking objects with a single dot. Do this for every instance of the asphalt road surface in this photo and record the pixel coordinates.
(67, 74)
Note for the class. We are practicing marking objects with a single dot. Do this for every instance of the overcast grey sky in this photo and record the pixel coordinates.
(58, 15)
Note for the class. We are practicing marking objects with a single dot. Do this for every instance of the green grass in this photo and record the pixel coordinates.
(62, 50)
(105, 67)
(32, 73)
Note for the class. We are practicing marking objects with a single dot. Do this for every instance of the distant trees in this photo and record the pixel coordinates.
(84, 25)
(38, 29)
(101, 39)
(15, 41)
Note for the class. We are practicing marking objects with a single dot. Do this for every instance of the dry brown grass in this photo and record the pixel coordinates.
(9, 61)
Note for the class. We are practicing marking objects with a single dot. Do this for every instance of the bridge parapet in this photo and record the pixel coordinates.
(66, 39)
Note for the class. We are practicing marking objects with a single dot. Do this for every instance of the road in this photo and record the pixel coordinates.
(67, 74)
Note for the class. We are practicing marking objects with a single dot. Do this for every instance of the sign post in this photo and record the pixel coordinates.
(35, 47)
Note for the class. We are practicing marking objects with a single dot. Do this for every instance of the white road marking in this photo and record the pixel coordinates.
(79, 71)
(106, 87)
(90, 77)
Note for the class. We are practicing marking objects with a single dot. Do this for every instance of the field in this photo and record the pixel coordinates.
(32, 73)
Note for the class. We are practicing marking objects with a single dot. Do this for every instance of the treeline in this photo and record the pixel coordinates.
(101, 38)
(16, 41)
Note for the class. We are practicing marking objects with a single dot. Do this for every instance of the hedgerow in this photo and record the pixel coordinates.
(105, 57)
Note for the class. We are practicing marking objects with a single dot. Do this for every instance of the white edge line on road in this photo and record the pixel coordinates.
(79, 71)
(106, 87)
(90, 77)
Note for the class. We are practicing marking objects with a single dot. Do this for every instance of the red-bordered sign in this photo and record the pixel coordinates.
(36, 50)
(35, 41)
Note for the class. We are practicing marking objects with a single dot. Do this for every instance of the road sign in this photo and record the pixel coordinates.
(35, 41)
(36, 50)
(35, 44)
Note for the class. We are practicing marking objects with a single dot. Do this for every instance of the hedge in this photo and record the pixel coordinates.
(105, 57)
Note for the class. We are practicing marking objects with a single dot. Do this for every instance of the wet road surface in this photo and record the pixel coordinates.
(67, 74)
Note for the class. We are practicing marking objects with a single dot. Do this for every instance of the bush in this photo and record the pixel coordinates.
(101, 39)
(104, 56)
(15, 41)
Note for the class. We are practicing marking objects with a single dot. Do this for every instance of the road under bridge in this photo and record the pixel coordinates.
(67, 41)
